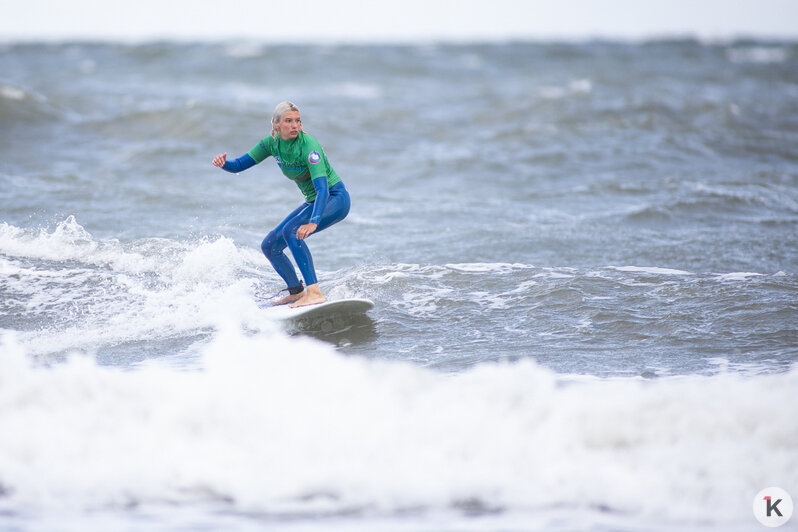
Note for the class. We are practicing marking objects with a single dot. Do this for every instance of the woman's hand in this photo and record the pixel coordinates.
(220, 159)
(306, 230)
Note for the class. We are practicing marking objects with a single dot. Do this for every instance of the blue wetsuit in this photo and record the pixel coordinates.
(330, 205)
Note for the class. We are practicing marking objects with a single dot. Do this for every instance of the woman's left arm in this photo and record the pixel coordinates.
(235, 166)
(322, 193)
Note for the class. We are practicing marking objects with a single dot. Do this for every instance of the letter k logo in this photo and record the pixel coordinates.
(772, 506)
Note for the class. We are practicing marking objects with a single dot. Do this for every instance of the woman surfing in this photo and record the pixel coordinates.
(301, 159)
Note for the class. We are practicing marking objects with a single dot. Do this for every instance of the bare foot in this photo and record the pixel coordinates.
(311, 296)
(290, 298)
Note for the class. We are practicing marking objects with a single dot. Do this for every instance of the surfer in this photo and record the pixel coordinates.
(301, 159)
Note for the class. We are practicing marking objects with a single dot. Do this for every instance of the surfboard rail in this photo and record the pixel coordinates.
(349, 306)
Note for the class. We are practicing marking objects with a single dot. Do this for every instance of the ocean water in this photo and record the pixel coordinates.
(583, 258)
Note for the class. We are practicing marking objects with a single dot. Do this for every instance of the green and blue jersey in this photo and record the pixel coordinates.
(301, 160)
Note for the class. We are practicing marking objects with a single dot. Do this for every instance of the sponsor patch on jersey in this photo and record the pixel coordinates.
(314, 157)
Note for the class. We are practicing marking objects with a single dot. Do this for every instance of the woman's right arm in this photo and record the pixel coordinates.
(237, 165)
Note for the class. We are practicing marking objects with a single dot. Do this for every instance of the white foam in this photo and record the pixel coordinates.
(7, 268)
(738, 276)
(486, 267)
(650, 270)
(68, 241)
(581, 86)
(113, 293)
(757, 54)
(423, 302)
(358, 219)
(273, 423)
(12, 93)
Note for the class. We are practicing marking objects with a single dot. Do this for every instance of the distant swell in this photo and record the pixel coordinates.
(17, 104)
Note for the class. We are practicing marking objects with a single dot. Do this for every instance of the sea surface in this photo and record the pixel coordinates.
(583, 258)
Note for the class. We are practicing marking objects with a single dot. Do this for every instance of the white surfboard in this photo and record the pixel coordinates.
(338, 307)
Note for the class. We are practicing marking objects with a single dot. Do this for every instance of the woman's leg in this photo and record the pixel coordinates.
(336, 210)
(273, 246)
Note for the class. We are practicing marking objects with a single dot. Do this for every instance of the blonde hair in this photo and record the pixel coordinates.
(279, 111)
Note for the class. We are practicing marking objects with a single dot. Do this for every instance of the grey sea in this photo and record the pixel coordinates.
(583, 258)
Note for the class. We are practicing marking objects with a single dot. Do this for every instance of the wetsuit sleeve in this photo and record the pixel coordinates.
(249, 159)
(315, 158)
(318, 172)
(322, 193)
(239, 165)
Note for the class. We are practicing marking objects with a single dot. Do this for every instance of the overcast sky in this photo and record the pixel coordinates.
(357, 20)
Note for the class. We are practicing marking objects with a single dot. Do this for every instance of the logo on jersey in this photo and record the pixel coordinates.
(314, 157)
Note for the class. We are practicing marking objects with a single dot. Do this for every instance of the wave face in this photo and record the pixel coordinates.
(582, 257)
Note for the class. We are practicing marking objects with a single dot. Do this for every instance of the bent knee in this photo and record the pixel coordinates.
(267, 246)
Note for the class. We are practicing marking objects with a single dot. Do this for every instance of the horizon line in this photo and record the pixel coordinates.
(397, 40)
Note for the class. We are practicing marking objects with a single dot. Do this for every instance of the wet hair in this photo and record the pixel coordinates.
(279, 111)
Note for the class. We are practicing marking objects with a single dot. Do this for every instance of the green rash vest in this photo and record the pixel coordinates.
(301, 159)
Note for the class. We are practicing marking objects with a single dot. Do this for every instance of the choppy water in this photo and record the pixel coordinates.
(583, 258)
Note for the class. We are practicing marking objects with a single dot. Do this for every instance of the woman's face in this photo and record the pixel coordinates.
(289, 125)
